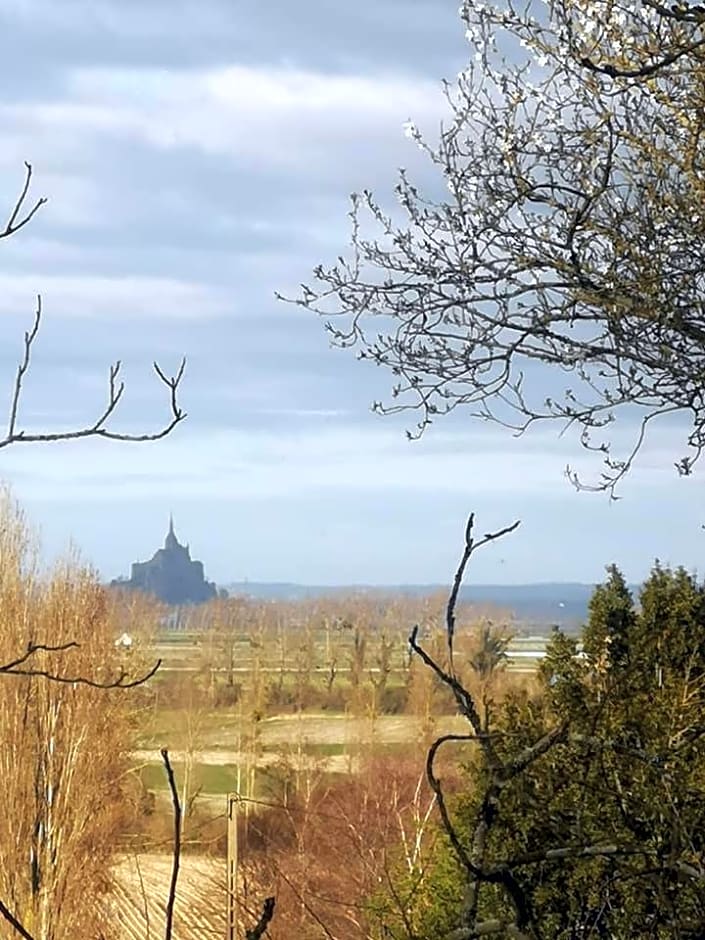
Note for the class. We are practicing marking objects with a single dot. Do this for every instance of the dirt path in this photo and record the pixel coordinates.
(333, 763)
(316, 729)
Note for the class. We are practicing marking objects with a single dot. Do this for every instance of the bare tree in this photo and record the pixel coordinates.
(21, 215)
(571, 233)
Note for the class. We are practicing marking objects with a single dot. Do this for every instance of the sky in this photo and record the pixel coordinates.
(198, 155)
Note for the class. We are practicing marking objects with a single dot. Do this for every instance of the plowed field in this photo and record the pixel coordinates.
(139, 901)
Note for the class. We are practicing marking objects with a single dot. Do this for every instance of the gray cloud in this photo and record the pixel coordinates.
(198, 156)
(421, 36)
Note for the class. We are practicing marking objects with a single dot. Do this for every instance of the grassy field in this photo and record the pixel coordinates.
(218, 743)
(206, 778)
(329, 742)
(301, 709)
(182, 651)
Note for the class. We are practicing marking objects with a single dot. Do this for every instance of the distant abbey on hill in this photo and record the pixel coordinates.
(170, 574)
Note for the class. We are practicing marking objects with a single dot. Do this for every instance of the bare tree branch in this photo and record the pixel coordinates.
(16, 667)
(462, 696)
(460, 693)
(258, 931)
(33, 649)
(470, 546)
(446, 820)
(571, 235)
(471, 853)
(171, 900)
(19, 217)
(98, 428)
(29, 337)
(17, 220)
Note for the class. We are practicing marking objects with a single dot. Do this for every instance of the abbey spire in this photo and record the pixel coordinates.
(171, 540)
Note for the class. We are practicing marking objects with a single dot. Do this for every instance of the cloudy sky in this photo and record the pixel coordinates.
(198, 155)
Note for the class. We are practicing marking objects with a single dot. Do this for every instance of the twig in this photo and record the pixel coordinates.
(12, 224)
(29, 337)
(171, 900)
(98, 428)
(12, 920)
(470, 546)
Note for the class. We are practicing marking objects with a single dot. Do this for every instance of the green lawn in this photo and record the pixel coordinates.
(209, 778)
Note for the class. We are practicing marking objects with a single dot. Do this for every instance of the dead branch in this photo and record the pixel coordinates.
(99, 427)
(171, 900)
(16, 667)
(470, 546)
(19, 217)
(258, 931)
(32, 649)
(462, 696)
(435, 784)
(471, 855)
(464, 699)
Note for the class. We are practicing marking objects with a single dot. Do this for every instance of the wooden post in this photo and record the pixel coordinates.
(232, 863)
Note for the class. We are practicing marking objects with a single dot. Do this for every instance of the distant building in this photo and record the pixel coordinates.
(170, 575)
